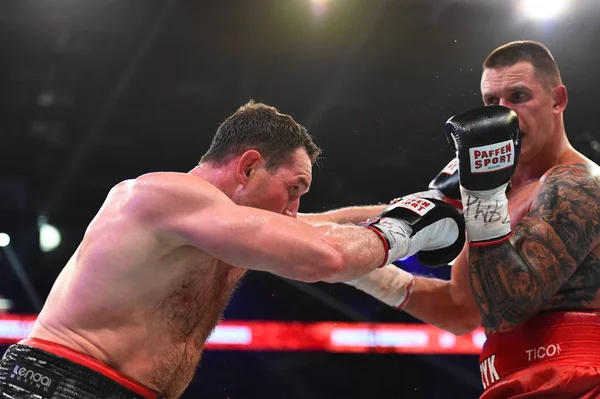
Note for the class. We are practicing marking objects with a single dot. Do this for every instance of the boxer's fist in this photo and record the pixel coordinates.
(487, 144)
(428, 227)
(486, 141)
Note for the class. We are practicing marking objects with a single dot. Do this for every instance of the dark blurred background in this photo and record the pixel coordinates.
(93, 92)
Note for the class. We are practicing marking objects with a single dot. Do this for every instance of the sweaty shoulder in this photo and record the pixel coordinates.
(157, 197)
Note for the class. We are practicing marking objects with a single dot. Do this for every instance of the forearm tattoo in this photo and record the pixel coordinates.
(514, 280)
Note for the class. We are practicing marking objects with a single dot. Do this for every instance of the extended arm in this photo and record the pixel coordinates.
(188, 211)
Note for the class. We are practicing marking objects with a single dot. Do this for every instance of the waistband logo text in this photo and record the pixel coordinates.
(489, 375)
(542, 352)
(25, 375)
(33, 378)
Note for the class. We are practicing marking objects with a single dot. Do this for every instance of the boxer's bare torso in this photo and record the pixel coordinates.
(582, 290)
(137, 301)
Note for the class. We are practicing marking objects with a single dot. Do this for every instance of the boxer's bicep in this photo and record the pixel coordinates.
(513, 281)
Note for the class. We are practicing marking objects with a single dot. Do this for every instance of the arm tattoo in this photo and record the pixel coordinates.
(581, 289)
(514, 280)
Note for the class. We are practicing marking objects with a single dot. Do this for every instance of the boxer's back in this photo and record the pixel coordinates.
(136, 301)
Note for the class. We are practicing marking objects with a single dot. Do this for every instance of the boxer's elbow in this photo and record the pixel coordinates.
(463, 315)
(331, 266)
(458, 320)
(324, 264)
(470, 318)
(468, 322)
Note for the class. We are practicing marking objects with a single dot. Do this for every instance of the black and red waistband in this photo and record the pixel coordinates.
(92, 364)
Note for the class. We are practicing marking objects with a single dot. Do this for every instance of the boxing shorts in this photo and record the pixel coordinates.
(553, 355)
(35, 368)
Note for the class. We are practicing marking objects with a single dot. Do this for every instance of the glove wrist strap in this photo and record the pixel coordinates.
(486, 215)
(396, 237)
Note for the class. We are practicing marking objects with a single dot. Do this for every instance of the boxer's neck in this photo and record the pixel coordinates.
(553, 153)
(220, 176)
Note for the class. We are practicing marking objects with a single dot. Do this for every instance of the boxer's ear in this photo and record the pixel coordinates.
(247, 164)
(559, 99)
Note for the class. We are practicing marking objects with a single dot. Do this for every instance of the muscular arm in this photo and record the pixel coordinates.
(188, 211)
(513, 280)
(351, 214)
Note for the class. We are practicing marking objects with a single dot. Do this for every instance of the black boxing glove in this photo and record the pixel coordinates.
(430, 228)
(487, 144)
(447, 183)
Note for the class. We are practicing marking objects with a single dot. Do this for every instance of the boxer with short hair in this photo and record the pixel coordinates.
(530, 272)
(129, 314)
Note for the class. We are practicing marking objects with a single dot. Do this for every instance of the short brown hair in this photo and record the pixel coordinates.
(526, 50)
(263, 128)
